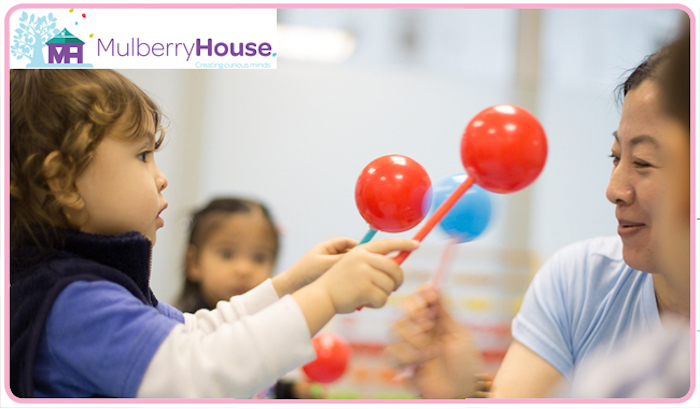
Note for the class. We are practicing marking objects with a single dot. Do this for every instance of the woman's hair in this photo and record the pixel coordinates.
(675, 77)
(670, 68)
(649, 68)
(68, 112)
(202, 224)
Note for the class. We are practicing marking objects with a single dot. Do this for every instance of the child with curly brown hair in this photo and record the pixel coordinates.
(85, 203)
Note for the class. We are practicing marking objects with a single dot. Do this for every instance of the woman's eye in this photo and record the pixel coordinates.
(639, 164)
(615, 158)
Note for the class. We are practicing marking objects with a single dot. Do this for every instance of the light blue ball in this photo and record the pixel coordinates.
(470, 215)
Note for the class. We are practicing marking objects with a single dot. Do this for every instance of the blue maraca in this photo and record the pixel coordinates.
(470, 215)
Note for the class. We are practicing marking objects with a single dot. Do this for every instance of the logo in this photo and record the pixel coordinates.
(54, 38)
(35, 34)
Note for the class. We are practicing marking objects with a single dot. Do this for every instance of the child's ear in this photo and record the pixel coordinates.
(193, 271)
(60, 182)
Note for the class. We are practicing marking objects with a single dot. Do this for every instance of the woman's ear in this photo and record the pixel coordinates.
(60, 183)
(193, 271)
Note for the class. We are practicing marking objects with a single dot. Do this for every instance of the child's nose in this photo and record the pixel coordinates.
(161, 180)
(243, 267)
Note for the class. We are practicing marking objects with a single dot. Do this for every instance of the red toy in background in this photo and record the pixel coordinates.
(332, 358)
(393, 194)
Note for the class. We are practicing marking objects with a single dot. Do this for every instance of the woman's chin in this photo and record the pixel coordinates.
(638, 260)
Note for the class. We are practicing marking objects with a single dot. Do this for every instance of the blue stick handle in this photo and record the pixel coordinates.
(368, 236)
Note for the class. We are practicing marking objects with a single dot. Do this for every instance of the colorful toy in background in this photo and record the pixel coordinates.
(469, 216)
(503, 149)
(332, 357)
(465, 221)
(393, 194)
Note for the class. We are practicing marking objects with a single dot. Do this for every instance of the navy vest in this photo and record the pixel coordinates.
(38, 275)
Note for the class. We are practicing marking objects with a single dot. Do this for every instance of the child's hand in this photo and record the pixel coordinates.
(314, 263)
(365, 276)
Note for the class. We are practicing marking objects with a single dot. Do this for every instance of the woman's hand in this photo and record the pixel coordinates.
(438, 351)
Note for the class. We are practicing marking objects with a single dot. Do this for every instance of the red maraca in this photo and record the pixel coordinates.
(392, 194)
(332, 357)
(504, 149)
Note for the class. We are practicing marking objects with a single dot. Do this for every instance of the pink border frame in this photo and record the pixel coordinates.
(122, 401)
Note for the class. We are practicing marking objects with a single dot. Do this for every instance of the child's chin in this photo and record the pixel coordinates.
(151, 239)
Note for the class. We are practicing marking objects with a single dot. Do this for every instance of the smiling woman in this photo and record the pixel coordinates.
(642, 154)
(617, 292)
(648, 153)
(591, 298)
(659, 364)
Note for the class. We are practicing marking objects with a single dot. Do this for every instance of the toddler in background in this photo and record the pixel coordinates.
(232, 247)
(85, 203)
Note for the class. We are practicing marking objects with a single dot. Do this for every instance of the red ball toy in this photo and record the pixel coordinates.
(504, 148)
(332, 357)
(393, 193)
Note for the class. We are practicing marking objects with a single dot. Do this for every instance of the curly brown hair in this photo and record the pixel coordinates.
(68, 112)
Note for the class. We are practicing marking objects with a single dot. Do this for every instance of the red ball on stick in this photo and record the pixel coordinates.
(393, 193)
(332, 357)
(504, 148)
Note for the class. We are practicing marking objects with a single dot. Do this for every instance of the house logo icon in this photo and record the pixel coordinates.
(65, 50)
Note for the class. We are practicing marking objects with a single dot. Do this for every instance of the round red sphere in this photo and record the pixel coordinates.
(393, 193)
(504, 148)
(332, 357)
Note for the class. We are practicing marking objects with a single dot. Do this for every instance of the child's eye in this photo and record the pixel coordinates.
(143, 156)
(226, 254)
(260, 258)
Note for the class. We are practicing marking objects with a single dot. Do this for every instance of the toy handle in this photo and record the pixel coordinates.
(437, 216)
(368, 236)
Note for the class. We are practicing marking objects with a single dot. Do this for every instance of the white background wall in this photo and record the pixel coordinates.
(298, 137)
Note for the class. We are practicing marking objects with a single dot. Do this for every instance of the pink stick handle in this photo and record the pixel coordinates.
(437, 216)
(441, 272)
(438, 276)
